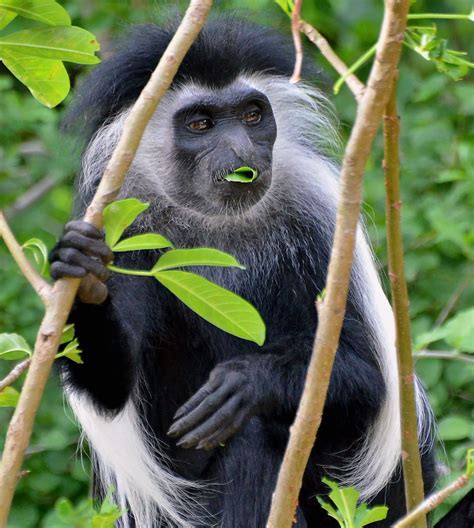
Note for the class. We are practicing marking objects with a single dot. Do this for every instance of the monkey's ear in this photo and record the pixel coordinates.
(92, 290)
(461, 515)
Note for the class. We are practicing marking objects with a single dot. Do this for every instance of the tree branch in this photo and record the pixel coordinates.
(444, 354)
(355, 85)
(64, 290)
(369, 114)
(32, 195)
(432, 502)
(14, 374)
(295, 29)
(414, 489)
(42, 288)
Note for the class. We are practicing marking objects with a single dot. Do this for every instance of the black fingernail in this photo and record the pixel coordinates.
(172, 431)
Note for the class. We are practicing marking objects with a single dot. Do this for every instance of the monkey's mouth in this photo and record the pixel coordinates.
(242, 175)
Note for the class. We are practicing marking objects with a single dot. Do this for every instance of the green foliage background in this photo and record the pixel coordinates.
(438, 195)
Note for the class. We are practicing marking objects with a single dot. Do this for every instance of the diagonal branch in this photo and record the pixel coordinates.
(369, 115)
(14, 374)
(64, 290)
(355, 85)
(42, 288)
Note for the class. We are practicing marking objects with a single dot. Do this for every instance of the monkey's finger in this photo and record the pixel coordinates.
(207, 406)
(85, 229)
(77, 258)
(205, 391)
(218, 438)
(89, 246)
(60, 270)
(213, 424)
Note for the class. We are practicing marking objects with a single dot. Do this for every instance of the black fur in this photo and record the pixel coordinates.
(142, 330)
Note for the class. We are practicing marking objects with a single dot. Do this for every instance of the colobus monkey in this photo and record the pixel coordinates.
(188, 423)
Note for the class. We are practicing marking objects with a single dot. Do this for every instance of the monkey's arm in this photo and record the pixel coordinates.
(108, 331)
(272, 382)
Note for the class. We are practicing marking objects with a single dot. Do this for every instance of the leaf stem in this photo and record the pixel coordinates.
(357, 64)
(14, 374)
(140, 273)
(439, 16)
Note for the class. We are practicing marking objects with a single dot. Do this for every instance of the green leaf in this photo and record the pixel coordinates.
(45, 11)
(13, 346)
(220, 307)
(147, 241)
(344, 498)
(71, 44)
(332, 512)
(177, 258)
(119, 215)
(286, 5)
(9, 397)
(46, 79)
(68, 334)
(457, 332)
(72, 352)
(470, 462)
(242, 175)
(6, 17)
(455, 428)
(367, 516)
(40, 252)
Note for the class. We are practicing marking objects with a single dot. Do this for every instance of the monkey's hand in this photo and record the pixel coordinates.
(219, 408)
(82, 253)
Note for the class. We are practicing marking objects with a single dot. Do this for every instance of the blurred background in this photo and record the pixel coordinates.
(437, 149)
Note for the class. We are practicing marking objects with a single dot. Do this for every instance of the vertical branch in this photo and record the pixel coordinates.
(295, 28)
(369, 114)
(414, 491)
(64, 290)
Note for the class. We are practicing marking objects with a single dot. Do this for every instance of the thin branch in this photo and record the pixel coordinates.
(442, 354)
(14, 374)
(432, 502)
(64, 291)
(413, 479)
(42, 288)
(295, 29)
(369, 115)
(31, 196)
(355, 85)
(465, 283)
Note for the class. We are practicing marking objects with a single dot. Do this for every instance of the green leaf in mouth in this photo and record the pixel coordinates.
(242, 175)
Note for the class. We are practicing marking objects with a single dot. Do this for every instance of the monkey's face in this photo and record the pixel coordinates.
(215, 133)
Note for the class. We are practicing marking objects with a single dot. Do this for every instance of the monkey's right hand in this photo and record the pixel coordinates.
(82, 253)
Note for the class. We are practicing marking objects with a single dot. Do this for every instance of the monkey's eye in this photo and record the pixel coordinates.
(200, 125)
(252, 118)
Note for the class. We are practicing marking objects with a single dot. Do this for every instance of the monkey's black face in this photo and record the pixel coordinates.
(214, 135)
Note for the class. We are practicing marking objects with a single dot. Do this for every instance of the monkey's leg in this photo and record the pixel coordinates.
(245, 471)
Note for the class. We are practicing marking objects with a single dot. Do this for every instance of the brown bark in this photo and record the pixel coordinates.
(369, 115)
(64, 291)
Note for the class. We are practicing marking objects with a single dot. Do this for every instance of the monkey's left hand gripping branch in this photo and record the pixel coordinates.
(59, 298)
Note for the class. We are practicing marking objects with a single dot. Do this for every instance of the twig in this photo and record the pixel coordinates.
(14, 374)
(308, 417)
(352, 81)
(442, 354)
(295, 29)
(31, 196)
(454, 299)
(431, 502)
(414, 490)
(42, 288)
(64, 291)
